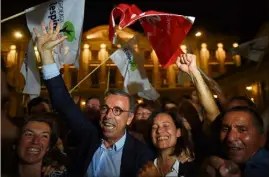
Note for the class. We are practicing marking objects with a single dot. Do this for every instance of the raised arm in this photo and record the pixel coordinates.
(187, 63)
(58, 92)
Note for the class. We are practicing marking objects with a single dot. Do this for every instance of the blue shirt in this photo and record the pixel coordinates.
(107, 162)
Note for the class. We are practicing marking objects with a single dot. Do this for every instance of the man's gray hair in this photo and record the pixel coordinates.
(125, 94)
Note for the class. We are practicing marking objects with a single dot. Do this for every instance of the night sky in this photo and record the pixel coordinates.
(237, 17)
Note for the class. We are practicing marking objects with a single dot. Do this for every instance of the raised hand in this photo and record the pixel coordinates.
(186, 63)
(47, 40)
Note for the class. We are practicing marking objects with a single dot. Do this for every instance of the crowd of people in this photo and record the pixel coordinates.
(196, 136)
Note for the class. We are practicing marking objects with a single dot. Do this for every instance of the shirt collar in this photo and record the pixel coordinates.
(174, 168)
(118, 145)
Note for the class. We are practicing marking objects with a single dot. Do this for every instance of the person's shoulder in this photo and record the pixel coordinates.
(140, 146)
(262, 155)
(130, 137)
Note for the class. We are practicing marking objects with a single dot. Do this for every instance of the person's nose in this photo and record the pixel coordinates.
(232, 135)
(36, 139)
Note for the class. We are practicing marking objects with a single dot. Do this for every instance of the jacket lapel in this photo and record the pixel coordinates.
(128, 157)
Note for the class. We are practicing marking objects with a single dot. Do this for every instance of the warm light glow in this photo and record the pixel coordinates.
(139, 101)
(252, 99)
(103, 46)
(235, 45)
(89, 37)
(86, 46)
(183, 48)
(18, 34)
(83, 103)
(35, 48)
(119, 46)
(12, 47)
(249, 88)
(220, 45)
(215, 96)
(198, 34)
(204, 45)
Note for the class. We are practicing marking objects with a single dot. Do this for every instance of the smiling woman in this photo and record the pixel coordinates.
(174, 148)
(37, 136)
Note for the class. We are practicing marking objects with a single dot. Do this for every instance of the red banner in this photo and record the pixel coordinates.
(164, 31)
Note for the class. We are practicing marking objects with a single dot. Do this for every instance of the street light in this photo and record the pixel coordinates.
(198, 34)
(18, 34)
(235, 45)
(249, 88)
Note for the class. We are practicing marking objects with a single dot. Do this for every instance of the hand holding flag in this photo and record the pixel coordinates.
(46, 41)
(69, 14)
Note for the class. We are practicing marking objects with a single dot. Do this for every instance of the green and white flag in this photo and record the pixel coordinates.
(131, 67)
(70, 15)
(30, 72)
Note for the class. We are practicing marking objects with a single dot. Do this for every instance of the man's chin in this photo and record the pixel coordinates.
(108, 131)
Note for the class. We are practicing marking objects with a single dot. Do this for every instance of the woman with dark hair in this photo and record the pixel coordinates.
(174, 149)
(36, 138)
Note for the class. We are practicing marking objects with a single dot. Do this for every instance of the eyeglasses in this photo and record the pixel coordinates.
(115, 110)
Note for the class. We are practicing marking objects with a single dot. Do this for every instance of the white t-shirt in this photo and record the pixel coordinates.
(174, 170)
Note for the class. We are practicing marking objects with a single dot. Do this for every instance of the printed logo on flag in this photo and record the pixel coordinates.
(131, 61)
(54, 16)
(69, 31)
(56, 11)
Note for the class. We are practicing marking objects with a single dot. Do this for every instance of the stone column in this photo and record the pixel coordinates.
(221, 55)
(84, 66)
(204, 56)
(171, 77)
(156, 77)
(102, 55)
(11, 63)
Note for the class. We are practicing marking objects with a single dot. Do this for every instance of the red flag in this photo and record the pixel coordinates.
(165, 31)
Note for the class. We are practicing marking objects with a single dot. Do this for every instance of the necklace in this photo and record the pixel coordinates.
(159, 165)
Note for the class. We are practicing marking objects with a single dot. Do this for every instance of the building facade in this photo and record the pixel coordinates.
(212, 51)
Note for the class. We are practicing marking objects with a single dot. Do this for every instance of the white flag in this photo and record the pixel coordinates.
(29, 70)
(70, 15)
(132, 69)
(253, 50)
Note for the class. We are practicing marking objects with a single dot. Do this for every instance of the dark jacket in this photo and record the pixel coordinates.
(135, 153)
(257, 165)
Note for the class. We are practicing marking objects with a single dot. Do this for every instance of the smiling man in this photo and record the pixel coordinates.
(242, 137)
(113, 153)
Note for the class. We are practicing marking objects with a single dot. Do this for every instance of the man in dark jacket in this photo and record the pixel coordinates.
(113, 153)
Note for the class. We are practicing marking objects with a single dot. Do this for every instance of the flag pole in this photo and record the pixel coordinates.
(103, 62)
(17, 15)
(108, 79)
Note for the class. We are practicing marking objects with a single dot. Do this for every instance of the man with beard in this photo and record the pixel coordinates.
(115, 152)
